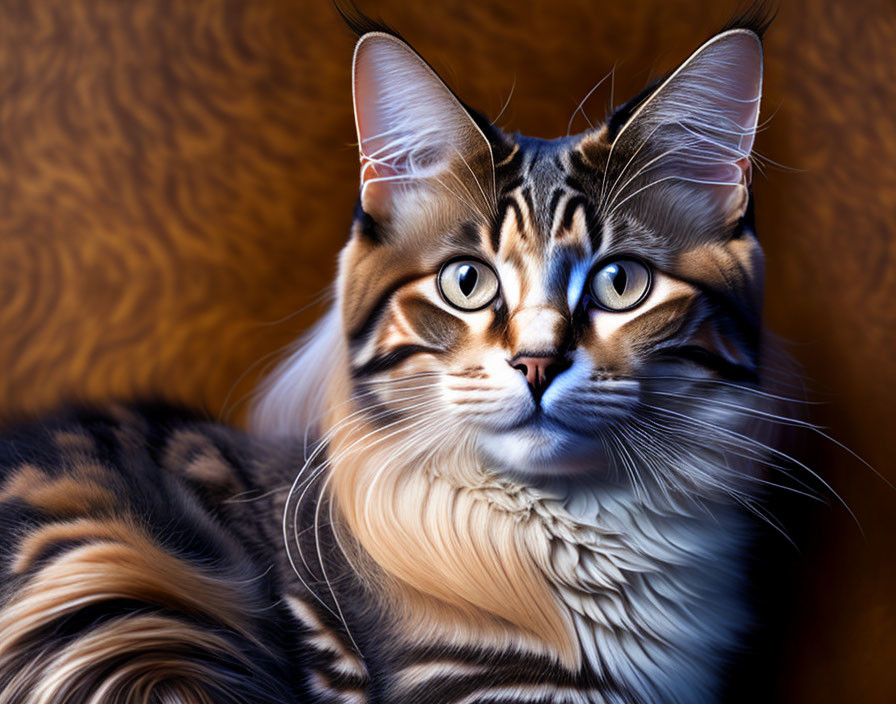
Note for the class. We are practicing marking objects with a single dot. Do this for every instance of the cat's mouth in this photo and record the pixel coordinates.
(541, 420)
(582, 420)
(543, 445)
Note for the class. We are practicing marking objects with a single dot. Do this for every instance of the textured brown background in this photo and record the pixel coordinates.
(176, 178)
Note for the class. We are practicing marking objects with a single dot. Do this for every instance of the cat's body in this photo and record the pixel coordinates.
(122, 523)
(507, 466)
(133, 519)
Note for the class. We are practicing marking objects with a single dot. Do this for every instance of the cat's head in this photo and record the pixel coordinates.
(556, 305)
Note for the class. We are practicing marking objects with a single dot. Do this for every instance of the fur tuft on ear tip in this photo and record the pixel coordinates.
(362, 24)
(755, 17)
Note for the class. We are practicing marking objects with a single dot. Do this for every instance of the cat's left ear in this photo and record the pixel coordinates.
(688, 143)
(418, 143)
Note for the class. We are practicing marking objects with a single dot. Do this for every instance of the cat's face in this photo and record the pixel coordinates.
(553, 304)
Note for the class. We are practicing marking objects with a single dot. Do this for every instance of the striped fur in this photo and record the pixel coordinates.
(452, 535)
(119, 582)
(584, 545)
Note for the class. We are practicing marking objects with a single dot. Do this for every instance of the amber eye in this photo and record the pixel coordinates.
(620, 284)
(468, 284)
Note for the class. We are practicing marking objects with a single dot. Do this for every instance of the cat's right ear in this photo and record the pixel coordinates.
(682, 158)
(417, 141)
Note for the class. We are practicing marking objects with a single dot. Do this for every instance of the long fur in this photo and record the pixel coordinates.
(639, 584)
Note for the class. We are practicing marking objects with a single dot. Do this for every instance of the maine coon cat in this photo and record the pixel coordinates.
(513, 463)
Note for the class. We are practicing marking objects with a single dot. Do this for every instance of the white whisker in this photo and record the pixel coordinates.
(768, 448)
(580, 106)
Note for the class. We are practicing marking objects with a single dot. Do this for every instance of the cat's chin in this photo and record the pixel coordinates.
(543, 451)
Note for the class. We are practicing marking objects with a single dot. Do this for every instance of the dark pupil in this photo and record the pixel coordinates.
(466, 279)
(620, 279)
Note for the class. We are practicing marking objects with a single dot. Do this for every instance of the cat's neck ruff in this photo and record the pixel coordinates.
(653, 590)
(643, 592)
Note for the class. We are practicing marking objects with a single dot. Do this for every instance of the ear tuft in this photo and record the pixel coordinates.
(757, 17)
(359, 23)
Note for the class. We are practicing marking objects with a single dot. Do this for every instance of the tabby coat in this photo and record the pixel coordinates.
(509, 465)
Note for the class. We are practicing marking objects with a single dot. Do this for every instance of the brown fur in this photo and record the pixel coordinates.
(158, 667)
(124, 564)
(62, 496)
(474, 570)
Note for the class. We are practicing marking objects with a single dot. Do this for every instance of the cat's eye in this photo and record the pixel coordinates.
(620, 284)
(468, 284)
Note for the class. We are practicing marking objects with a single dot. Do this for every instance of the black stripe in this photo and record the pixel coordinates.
(526, 193)
(518, 213)
(582, 170)
(389, 360)
(495, 234)
(715, 363)
(360, 332)
(574, 184)
(504, 206)
(337, 679)
(512, 185)
(503, 670)
(569, 212)
(508, 168)
(552, 206)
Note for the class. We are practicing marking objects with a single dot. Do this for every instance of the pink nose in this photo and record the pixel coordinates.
(539, 371)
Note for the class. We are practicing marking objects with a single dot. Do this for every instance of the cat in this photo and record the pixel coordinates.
(513, 463)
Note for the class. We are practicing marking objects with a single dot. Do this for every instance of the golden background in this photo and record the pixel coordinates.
(177, 177)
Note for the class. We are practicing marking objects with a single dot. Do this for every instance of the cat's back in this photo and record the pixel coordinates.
(139, 556)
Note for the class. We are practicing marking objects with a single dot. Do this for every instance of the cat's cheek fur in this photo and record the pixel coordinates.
(485, 393)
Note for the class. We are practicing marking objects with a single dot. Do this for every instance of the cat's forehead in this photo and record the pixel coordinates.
(546, 200)
(557, 200)
(542, 171)
(541, 163)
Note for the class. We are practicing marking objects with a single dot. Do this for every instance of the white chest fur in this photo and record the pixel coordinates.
(647, 591)
(655, 593)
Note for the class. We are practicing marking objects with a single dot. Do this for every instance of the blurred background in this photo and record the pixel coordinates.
(177, 177)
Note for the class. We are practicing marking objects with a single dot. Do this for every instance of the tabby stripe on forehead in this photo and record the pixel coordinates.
(513, 185)
(555, 201)
(581, 169)
(569, 212)
(509, 165)
(504, 207)
(526, 193)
